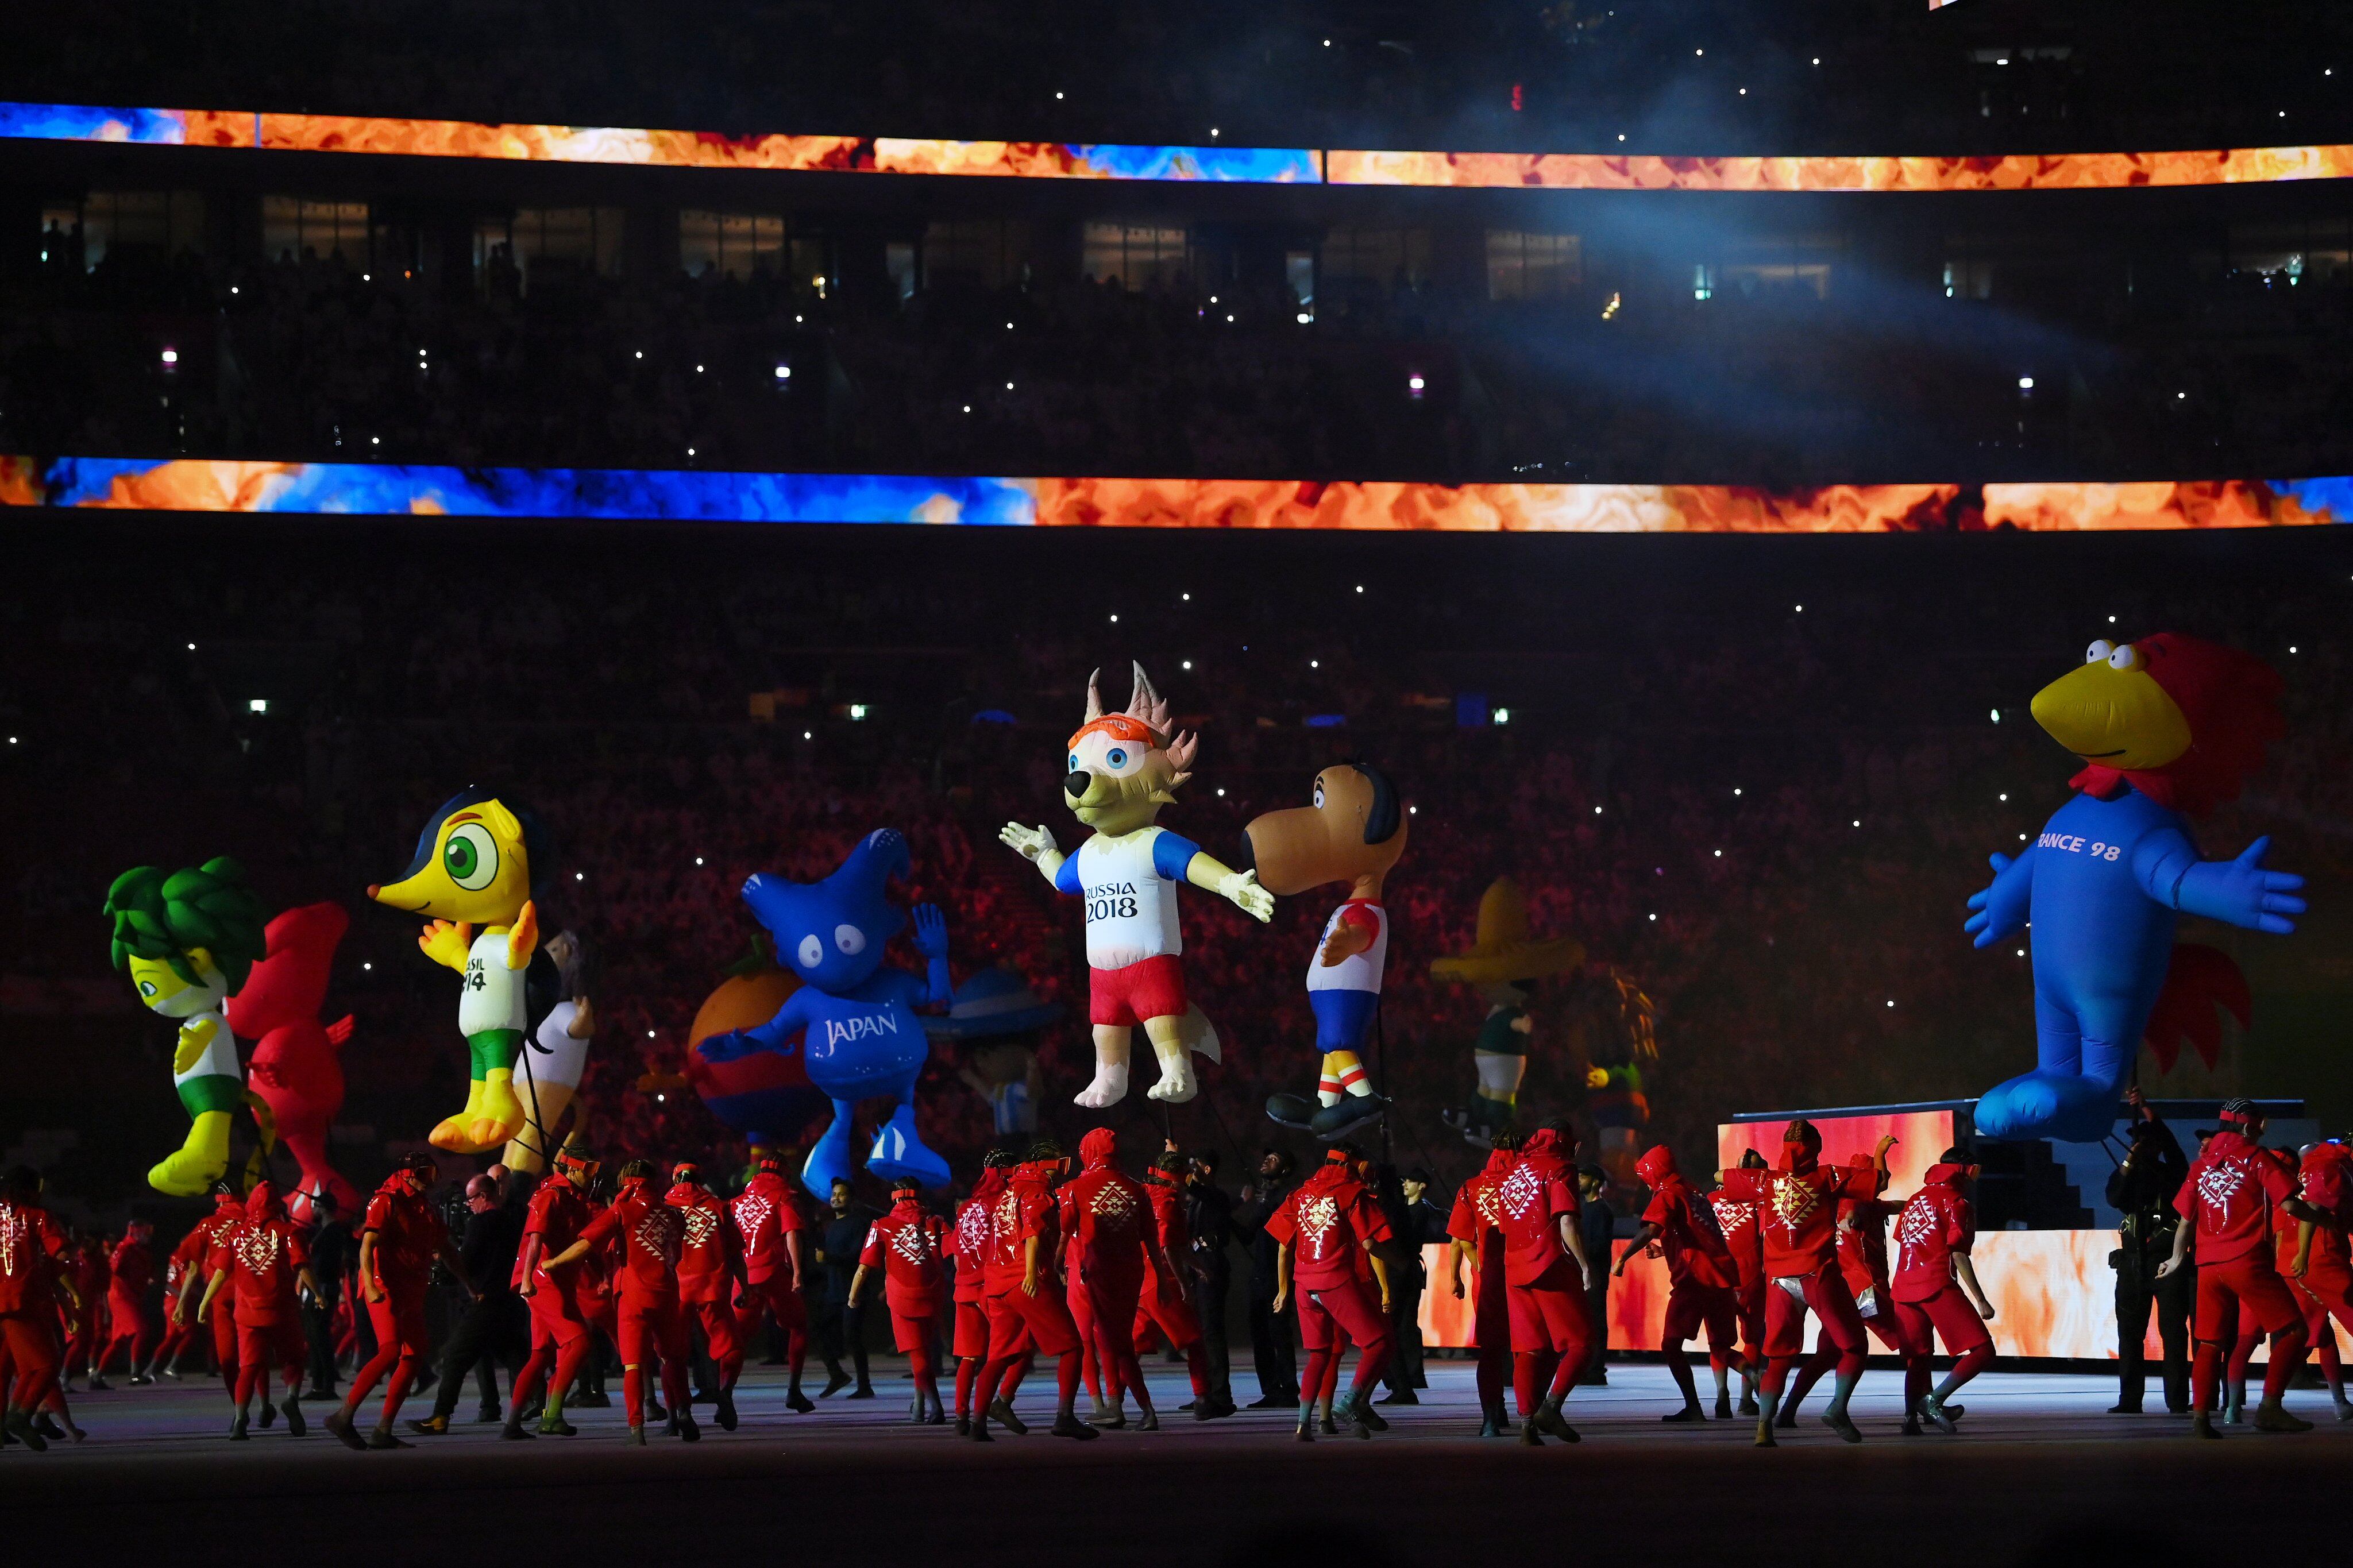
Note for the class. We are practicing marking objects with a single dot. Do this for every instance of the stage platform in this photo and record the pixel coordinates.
(2042, 1473)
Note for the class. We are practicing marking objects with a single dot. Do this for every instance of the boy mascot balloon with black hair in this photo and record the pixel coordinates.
(1503, 961)
(1353, 832)
(1124, 767)
(189, 940)
(478, 863)
(2167, 727)
(997, 1019)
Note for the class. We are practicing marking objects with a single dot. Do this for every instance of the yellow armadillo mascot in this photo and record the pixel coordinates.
(477, 864)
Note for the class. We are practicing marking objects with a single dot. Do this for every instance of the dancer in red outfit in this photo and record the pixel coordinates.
(1082, 1312)
(85, 1321)
(2313, 1254)
(32, 1255)
(1164, 1305)
(1862, 1263)
(905, 1245)
(710, 1282)
(400, 1240)
(651, 1235)
(191, 1254)
(1026, 1311)
(1326, 1230)
(265, 1257)
(1745, 1238)
(1545, 1271)
(1475, 1227)
(1798, 1212)
(1111, 1237)
(2227, 1200)
(560, 1335)
(1932, 1272)
(775, 1232)
(1702, 1280)
(131, 1272)
(967, 1244)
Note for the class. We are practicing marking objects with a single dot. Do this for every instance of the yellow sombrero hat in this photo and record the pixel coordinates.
(1504, 950)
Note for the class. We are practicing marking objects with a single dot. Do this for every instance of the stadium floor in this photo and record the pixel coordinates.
(2040, 1474)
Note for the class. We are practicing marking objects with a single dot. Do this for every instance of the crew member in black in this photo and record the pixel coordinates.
(494, 1327)
(330, 1260)
(1415, 1223)
(1273, 1337)
(2141, 1190)
(842, 1327)
(1209, 1216)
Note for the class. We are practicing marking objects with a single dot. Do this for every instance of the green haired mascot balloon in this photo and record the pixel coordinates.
(187, 941)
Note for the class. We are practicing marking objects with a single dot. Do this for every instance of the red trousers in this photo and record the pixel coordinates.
(1950, 1315)
(2230, 1293)
(1165, 1309)
(28, 1353)
(1549, 1315)
(1692, 1306)
(1331, 1319)
(1106, 1307)
(1018, 1321)
(402, 1349)
(1491, 1326)
(224, 1321)
(1787, 1301)
(721, 1333)
(651, 1329)
(971, 1332)
(131, 1327)
(260, 1346)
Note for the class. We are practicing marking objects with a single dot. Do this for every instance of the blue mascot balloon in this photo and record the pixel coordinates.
(855, 1017)
(2168, 728)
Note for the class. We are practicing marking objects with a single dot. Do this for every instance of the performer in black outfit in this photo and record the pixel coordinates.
(2142, 1190)
(1273, 1339)
(1209, 1215)
(493, 1328)
(330, 1260)
(842, 1327)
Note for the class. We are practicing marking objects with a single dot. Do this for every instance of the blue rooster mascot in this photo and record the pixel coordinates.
(2167, 727)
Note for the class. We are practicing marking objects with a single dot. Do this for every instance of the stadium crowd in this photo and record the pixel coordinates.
(325, 359)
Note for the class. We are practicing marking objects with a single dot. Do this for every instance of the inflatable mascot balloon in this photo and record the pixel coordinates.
(1122, 768)
(478, 863)
(187, 941)
(855, 1015)
(2168, 728)
(764, 1096)
(1503, 960)
(1354, 832)
(997, 1018)
(297, 1064)
(555, 1056)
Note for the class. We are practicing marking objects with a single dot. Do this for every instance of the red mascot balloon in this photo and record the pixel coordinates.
(296, 1065)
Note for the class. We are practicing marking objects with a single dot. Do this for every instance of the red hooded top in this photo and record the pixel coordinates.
(905, 1245)
(1934, 1225)
(1108, 1213)
(559, 1212)
(967, 1243)
(1797, 1206)
(2228, 1194)
(199, 1243)
(1035, 1213)
(1001, 1265)
(1539, 1189)
(408, 1234)
(1695, 1249)
(767, 1212)
(31, 1244)
(1735, 1218)
(263, 1252)
(1862, 1237)
(1170, 1228)
(711, 1255)
(651, 1234)
(2326, 1182)
(1327, 1220)
(133, 1266)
